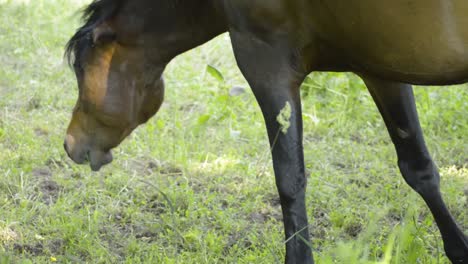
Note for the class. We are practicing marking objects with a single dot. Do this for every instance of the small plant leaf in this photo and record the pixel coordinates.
(215, 73)
(203, 119)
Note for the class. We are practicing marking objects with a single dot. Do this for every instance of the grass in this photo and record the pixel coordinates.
(195, 184)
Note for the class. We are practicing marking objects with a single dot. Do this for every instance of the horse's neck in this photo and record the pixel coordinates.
(207, 19)
(199, 21)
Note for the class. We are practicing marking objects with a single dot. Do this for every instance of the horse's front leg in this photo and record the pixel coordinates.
(270, 71)
(396, 104)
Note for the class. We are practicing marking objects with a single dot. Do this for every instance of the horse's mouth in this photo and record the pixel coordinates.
(95, 158)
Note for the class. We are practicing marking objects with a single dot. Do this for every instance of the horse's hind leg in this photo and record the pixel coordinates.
(396, 104)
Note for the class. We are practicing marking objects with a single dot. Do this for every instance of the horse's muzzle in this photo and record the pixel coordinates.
(82, 155)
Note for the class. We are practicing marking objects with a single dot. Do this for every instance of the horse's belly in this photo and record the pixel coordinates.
(423, 41)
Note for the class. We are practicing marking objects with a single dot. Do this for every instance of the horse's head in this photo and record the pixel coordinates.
(119, 55)
(120, 87)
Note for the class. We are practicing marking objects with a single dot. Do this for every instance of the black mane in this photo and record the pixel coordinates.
(94, 14)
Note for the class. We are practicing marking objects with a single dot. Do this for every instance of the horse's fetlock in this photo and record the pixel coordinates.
(457, 249)
(458, 256)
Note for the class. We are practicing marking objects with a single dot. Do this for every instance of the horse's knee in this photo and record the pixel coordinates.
(420, 174)
(291, 188)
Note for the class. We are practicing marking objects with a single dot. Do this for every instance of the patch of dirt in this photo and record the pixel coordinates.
(353, 229)
(119, 229)
(32, 249)
(154, 164)
(56, 246)
(272, 210)
(43, 172)
(122, 220)
(312, 137)
(34, 103)
(240, 238)
(320, 222)
(192, 108)
(224, 204)
(360, 183)
(48, 188)
(273, 200)
(76, 175)
(168, 169)
(320, 216)
(147, 236)
(113, 235)
(41, 132)
(339, 165)
(58, 163)
(196, 185)
(50, 191)
(149, 166)
(156, 205)
(394, 217)
(356, 138)
(122, 226)
(423, 215)
(265, 215)
(257, 217)
(219, 189)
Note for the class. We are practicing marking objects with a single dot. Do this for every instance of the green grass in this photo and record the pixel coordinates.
(195, 184)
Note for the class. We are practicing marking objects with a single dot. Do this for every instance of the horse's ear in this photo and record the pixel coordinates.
(103, 33)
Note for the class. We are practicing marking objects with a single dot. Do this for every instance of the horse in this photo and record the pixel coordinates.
(120, 52)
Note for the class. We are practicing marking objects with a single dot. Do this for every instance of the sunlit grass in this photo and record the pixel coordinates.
(195, 184)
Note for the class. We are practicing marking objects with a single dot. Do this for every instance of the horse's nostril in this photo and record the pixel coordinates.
(87, 156)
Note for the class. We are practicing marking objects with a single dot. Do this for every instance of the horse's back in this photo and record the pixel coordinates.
(419, 41)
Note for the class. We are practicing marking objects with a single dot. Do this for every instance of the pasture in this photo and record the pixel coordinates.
(195, 184)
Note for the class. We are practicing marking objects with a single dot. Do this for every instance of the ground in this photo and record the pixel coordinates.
(195, 184)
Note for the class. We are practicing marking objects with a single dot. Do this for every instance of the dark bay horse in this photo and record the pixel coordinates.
(120, 53)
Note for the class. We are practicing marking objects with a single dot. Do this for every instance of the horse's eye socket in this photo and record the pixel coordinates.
(103, 33)
(104, 39)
